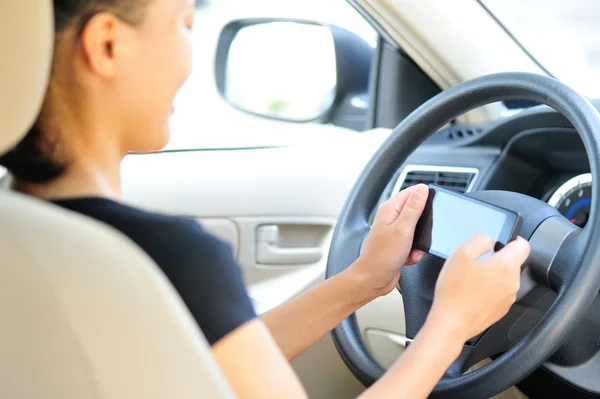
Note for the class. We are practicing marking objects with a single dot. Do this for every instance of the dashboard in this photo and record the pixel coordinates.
(536, 152)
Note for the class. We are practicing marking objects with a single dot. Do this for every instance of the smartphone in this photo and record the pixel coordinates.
(450, 219)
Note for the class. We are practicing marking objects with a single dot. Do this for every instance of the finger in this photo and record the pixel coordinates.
(413, 209)
(388, 211)
(473, 249)
(415, 257)
(514, 254)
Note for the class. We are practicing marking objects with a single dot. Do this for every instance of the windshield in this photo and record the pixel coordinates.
(563, 36)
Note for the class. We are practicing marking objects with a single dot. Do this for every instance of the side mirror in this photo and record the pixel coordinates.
(291, 70)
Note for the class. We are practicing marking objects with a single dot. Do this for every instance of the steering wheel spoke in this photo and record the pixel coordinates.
(512, 328)
(532, 302)
(555, 251)
(567, 259)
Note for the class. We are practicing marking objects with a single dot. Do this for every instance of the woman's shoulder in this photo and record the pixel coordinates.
(161, 236)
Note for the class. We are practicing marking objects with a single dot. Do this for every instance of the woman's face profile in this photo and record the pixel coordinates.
(133, 71)
(155, 66)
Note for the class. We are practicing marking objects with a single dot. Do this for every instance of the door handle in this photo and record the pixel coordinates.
(269, 251)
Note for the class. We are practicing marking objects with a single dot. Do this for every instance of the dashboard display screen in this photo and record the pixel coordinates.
(451, 219)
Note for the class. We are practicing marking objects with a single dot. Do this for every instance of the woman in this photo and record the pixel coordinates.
(117, 66)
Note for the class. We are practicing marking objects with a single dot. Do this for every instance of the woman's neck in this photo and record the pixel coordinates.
(88, 177)
(86, 132)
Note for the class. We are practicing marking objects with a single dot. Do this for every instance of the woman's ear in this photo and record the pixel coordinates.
(99, 43)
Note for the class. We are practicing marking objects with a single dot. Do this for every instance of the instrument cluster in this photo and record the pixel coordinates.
(573, 199)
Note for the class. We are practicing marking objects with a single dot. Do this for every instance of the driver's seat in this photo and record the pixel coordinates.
(85, 314)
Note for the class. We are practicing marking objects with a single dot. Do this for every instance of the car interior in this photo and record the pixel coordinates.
(89, 315)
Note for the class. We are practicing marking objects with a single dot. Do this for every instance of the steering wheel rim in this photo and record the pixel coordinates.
(573, 298)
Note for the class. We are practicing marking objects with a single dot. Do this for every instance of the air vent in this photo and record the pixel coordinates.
(458, 133)
(457, 179)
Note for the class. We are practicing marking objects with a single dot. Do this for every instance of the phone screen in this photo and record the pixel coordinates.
(451, 219)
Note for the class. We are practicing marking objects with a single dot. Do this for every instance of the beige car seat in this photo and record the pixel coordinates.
(85, 313)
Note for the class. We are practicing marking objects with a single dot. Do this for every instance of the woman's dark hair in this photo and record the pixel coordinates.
(32, 159)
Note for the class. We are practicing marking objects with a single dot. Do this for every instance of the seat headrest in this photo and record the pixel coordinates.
(26, 45)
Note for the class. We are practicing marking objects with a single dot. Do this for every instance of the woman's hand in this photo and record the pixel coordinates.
(472, 294)
(374, 273)
(388, 246)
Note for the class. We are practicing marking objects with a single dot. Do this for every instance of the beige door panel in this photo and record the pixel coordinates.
(381, 323)
(289, 238)
(286, 239)
(280, 256)
(324, 374)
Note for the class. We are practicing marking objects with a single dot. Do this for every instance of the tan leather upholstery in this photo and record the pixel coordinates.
(85, 314)
(26, 53)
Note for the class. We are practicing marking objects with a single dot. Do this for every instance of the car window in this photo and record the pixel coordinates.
(203, 120)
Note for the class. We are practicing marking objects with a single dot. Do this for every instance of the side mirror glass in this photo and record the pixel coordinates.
(278, 69)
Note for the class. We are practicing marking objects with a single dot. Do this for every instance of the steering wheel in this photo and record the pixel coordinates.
(564, 258)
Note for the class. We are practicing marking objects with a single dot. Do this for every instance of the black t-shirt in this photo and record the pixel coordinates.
(200, 267)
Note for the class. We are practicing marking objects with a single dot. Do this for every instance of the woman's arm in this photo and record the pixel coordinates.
(254, 365)
(299, 323)
(421, 365)
(256, 368)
